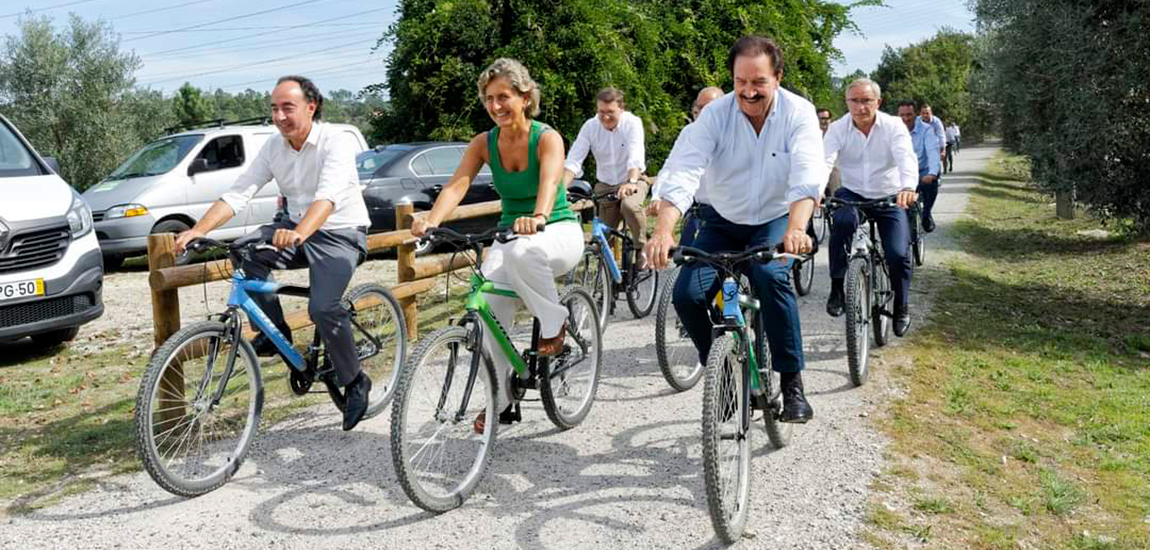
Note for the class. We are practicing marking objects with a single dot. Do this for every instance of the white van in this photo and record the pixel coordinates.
(170, 183)
(51, 274)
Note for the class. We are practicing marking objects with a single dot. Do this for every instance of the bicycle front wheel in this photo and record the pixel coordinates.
(726, 439)
(380, 338)
(195, 419)
(819, 219)
(880, 317)
(571, 378)
(674, 349)
(438, 457)
(918, 237)
(803, 273)
(592, 274)
(858, 298)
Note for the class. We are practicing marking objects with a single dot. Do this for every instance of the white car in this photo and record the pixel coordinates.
(51, 270)
(170, 183)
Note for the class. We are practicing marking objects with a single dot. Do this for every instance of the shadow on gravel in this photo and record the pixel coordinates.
(24, 350)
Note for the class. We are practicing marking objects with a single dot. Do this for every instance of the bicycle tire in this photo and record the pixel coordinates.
(678, 360)
(918, 237)
(592, 274)
(639, 302)
(383, 367)
(727, 503)
(181, 354)
(582, 325)
(880, 322)
(772, 393)
(803, 273)
(819, 219)
(419, 374)
(858, 301)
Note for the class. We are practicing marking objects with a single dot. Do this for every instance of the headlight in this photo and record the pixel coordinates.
(125, 211)
(79, 218)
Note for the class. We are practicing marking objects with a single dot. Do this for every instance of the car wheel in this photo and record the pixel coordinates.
(55, 337)
(177, 227)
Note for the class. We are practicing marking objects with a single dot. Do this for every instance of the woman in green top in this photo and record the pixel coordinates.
(526, 160)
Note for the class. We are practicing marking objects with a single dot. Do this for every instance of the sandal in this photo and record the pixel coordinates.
(552, 346)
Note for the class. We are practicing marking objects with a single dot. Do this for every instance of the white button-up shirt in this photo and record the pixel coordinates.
(751, 178)
(616, 151)
(323, 169)
(876, 165)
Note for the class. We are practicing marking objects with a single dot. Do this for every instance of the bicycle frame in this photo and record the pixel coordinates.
(599, 232)
(477, 305)
(241, 299)
(732, 302)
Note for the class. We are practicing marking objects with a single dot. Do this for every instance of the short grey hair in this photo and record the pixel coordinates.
(865, 82)
(516, 75)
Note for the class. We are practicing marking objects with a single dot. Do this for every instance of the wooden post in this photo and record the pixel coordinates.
(165, 322)
(405, 264)
(1064, 205)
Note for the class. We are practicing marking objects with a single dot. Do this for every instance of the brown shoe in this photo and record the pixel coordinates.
(552, 346)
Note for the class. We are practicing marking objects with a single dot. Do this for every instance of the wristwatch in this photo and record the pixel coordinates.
(633, 181)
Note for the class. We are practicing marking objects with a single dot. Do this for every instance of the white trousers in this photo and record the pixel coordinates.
(529, 265)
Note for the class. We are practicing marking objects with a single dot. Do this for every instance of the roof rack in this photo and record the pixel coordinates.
(218, 123)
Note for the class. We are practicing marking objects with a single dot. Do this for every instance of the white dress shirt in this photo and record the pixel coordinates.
(752, 178)
(705, 182)
(876, 165)
(616, 151)
(323, 169)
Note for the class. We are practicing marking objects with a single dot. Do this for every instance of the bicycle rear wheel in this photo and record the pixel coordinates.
(880, 319)
(438, 457)
(380, 338)
(194, 422)
(592, 274)
(726, 439)
(570, 379)
(772, 391)
(674, 349)
(642, 290)
(819, 219)
(858, 299)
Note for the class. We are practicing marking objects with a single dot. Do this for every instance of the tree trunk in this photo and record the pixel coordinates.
(1064, 205)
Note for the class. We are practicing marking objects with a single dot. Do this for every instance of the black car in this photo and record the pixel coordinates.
(416, 172)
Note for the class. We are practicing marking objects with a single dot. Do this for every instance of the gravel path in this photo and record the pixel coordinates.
(629, 477)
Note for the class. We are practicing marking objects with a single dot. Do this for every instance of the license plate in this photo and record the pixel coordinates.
(21, 289)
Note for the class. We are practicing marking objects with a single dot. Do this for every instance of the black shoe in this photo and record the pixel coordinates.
(901, 320)
(795, 407)
(836, 304)
(928, 223)
(264, 346)
(357, 393)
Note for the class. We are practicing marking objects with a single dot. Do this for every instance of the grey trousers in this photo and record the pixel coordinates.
(331, 258)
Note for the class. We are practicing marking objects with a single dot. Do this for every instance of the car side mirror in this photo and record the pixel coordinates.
(197, 166)
(53, 164)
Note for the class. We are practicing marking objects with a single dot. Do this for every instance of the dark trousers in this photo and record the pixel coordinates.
(949, 158)
(331, 258)
(929, 192)
(894, 230)
(698, 283)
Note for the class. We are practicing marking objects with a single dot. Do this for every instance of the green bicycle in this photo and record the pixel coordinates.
(450, 379)
(738, 378)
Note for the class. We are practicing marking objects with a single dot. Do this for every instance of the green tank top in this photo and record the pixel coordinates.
(518, 190)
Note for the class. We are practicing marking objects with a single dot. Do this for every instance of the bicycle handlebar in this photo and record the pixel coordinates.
(885, 202)
(762, 254)
(203, 244)
(448, 235)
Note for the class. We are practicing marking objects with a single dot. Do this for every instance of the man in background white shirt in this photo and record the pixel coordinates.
(761, 149)
(325, 230)
(615, 137)
(876, 158)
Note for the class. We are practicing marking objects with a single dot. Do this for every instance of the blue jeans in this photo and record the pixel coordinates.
(698, 283)
(893, 228)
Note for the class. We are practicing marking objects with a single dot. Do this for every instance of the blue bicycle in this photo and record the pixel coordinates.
(600, 274)
(202, 394)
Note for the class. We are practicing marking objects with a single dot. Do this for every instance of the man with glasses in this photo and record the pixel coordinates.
(877, 159)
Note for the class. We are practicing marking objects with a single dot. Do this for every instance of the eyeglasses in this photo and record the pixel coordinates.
(824, 118)
(861, 100)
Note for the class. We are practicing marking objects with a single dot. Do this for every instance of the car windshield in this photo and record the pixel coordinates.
(368, 162)
(15, 158)
(157, 157)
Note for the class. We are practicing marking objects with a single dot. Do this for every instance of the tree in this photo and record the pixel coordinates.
(1071, 84)
(66, 92)
(659, 52)
(190, 106)
(936, 71)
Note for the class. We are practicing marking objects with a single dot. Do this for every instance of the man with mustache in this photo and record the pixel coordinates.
(615, 137)
(763, 155)
(325, 229)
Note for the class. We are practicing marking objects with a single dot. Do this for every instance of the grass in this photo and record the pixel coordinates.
(1026, 418)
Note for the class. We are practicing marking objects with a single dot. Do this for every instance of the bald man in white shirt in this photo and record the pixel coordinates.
(877, 160)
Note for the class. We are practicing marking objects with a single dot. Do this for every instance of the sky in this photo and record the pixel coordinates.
(238, 45)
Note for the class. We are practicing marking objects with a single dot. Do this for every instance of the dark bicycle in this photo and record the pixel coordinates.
(869, 296)
(600, 274)
(202, 394)
(917, 233)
